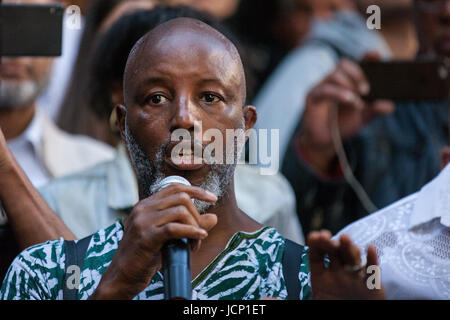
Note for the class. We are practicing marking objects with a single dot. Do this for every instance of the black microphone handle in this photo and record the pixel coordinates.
(176, 258)
(176, 269)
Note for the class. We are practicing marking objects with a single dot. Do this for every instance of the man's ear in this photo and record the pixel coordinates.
(250, 116)
(121, 113)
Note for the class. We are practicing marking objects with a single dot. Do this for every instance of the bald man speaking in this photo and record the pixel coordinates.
(181, 77)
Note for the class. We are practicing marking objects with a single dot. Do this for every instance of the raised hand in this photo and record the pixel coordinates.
(345, 277)
(342, 89)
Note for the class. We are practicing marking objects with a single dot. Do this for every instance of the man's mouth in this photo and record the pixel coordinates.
(185, 156)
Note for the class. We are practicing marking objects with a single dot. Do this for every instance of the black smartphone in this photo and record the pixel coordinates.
(419, 80)
(31, 29)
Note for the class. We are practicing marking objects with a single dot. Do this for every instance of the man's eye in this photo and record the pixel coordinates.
(157, 99)
(210, 98)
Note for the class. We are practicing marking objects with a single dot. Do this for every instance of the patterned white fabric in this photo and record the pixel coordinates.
(412, 237)
(45, 152)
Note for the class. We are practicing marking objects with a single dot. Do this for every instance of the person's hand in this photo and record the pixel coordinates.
(166, 215)
(339, 280)
(342, 89)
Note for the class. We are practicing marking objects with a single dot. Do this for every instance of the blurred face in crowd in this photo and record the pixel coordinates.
(181, 74)
(220, 9)
(384, 4)
(24, 78)
(324, 9)
(296, 17)
(433, 26)
(124, 8)
(294, 22)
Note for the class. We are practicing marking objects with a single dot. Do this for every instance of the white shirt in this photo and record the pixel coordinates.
(26, 149)
(45, 152)
(412, 237)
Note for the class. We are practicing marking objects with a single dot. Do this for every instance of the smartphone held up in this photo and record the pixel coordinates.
(39, 32)
(419, 80)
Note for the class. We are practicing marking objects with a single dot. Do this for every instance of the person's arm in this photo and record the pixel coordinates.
(316, 197)
(30, 217)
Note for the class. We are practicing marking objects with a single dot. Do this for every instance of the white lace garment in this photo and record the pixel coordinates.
(412, 237)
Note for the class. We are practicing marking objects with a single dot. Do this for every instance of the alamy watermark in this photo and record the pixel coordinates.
(213, 147)
(374, 279)
(73, 277)
(73, 17)
(374, 20)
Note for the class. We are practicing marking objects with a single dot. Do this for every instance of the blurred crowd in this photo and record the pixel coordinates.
(372, 169)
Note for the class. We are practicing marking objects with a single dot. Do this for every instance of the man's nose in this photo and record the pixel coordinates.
(184, 116)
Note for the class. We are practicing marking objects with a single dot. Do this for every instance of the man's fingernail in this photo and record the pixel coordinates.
(212, 195)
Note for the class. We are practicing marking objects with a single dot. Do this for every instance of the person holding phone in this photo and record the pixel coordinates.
(389, 150)
(42, 150)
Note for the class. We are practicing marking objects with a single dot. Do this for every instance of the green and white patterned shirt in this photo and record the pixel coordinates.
(250, 267)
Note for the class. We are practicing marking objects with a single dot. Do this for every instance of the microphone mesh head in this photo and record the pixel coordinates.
(170, 180)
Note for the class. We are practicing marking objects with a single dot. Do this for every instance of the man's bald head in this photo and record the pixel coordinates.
(184, 35)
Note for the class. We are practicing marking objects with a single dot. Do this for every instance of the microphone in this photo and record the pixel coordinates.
(176, 258)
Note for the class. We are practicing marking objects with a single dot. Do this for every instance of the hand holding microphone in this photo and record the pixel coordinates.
(167, 215)
(176, 257)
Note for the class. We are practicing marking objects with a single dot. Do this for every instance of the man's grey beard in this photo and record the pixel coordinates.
(17, 94)
(149, 173)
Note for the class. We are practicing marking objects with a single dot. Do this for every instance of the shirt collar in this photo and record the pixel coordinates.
(34, 132)
(433, 201)
(121, 182)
